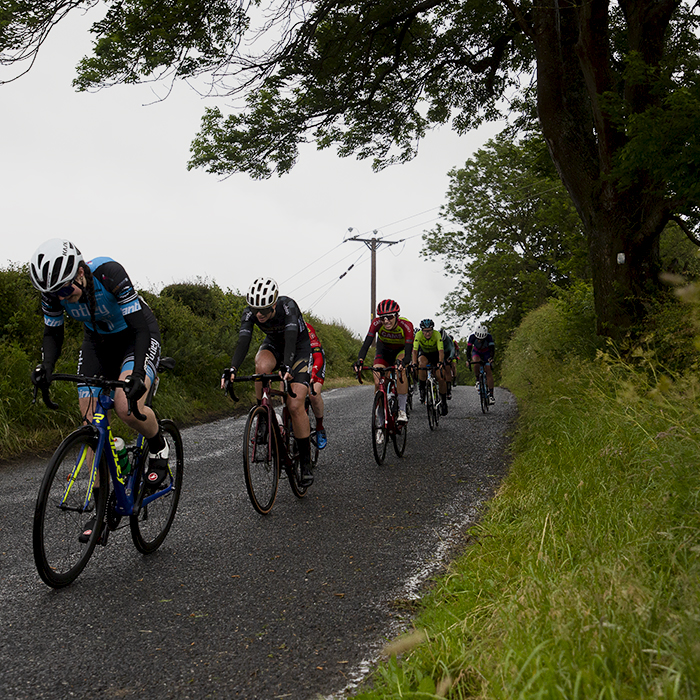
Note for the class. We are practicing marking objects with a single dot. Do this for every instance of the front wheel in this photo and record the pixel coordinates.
(483, 394)
(379, 427)
(430, 405)
(261, 461)
(151, 523)
(67, 500)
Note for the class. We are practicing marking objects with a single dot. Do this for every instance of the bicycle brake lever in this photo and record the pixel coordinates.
(134, 408)
(228, 389)
(45, 397)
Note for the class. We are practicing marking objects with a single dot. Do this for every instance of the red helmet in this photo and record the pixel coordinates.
(387, 307)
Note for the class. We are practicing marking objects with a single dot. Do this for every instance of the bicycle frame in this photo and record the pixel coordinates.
(383, 386)
(123, 485)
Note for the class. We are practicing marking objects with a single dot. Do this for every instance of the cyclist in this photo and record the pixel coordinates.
(121, 339)
(394, 336)
(287, 348)
(480, 347)
(318, 376)
(450, 360)
(428, 348)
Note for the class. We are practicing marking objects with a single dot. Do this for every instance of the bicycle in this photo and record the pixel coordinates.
(265, 451)
(87, 457)
(385, 409)
(482, 386)
(433, 401)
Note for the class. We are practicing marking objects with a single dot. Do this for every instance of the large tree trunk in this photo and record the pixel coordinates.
(623, 228)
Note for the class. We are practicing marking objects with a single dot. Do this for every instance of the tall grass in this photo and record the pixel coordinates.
(583, 580)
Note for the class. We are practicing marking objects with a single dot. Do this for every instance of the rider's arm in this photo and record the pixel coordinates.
(371, 333)
(293, 324)
(244, 337)
(53, 330)
(409, 336)
(115, 280)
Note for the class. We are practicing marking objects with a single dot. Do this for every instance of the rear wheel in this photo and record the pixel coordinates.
(151, 523)
(65, 504)
(261, 461)
(293, 451)
(379, 428)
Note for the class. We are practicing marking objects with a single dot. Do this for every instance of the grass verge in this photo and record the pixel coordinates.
(584, 579)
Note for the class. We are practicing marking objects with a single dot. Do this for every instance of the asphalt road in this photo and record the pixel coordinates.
(293, 605)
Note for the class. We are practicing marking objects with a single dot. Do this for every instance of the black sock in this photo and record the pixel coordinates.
(304, 446)
(156, 443)
(319, 423)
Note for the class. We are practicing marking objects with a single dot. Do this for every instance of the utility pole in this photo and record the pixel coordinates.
(373, 244)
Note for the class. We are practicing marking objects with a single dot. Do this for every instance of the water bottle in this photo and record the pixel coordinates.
(124, 467)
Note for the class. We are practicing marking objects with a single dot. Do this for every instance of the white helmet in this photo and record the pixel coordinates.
(481, 332)
(262, 293)
(54, 265)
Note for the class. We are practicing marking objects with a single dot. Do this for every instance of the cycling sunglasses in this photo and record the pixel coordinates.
(388, 317)
(66, 291)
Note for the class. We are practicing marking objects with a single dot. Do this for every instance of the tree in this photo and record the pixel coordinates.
(515, 235)
(618, 95)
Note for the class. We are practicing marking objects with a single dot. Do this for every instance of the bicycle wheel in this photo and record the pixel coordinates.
(150, 525)
(483, 394)
(64, 506)
(398, 436)
(261, 462)
(379, 429)
(430, 404)
(409, 393)
(314, 447)
(294, 473)
(437, 403)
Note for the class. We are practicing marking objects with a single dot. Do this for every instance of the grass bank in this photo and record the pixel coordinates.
(583, 579)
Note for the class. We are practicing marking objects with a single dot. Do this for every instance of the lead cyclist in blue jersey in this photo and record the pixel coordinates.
(121, 339)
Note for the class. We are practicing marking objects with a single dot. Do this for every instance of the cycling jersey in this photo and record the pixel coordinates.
(449, 344)
(484, 348)
(285, 332)
(400, 337)
(428, 345)
(318, 371)
(118, 312)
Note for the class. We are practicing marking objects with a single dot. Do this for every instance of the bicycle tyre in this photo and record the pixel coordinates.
(430, 404)
(399, 436)
(379, 428)
(58, 555)
(261, 463)
(294, 472)
(437, 403)
(314, 447)
(151, 524)
(483, 394)
(409, 393)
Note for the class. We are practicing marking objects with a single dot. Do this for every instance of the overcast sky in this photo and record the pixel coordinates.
(108, 171)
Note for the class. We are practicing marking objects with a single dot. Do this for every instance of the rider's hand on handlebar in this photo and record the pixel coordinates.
(134, 388)
(358, 366)
(41, 375)
(285, 373)
(227, 376)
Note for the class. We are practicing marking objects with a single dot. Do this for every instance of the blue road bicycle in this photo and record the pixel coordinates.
(76, 489)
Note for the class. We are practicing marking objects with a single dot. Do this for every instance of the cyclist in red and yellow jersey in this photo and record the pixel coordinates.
(318, 376)
(394, 336)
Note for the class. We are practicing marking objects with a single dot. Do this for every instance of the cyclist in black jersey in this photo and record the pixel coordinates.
(287, 348)
(121, 339)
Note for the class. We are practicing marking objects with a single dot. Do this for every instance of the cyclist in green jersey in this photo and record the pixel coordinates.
(428, 349)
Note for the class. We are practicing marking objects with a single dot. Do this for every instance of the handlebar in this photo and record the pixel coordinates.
(265, 378)
(101, 382)
(379, 369)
